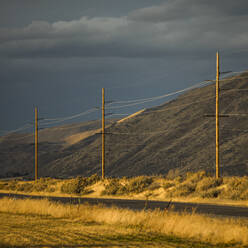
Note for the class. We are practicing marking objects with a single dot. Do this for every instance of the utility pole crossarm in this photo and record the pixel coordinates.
(212, 115)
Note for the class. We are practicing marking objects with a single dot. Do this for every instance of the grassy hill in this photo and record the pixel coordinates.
(174, 137)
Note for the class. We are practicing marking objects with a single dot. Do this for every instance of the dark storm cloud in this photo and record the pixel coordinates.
(18, 13)
(58, 54)
(187, 9)
(175, 28)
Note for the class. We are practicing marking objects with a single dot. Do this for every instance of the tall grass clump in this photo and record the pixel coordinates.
(207, 187)
(184, 225)
(139, 184)
(135, 185)
(236, 188)
(113, 187)
(187, 186)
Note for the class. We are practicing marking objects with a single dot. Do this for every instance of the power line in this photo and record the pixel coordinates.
(168, 108)
(58, 120)
(50, 121)
(181, 105)
(19, 138)
(145, 100)
(231, 79)
(139, 133)
(24, 127)
(120, 114)
(142, 100)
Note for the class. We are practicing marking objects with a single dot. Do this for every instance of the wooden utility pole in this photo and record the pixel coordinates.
(103, 133)
(217, 115)
(36, 144)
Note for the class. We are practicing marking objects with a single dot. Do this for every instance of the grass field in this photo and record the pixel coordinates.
(40, 223)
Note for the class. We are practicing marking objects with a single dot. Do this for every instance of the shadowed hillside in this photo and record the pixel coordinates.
(17, 150)
(175, 135)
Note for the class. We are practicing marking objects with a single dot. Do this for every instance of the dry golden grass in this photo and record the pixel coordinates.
(194, 227)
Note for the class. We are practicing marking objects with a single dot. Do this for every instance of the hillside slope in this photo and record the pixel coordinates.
(17, 150)
(175, 135)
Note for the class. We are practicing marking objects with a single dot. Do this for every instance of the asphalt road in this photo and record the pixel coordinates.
(220, 210)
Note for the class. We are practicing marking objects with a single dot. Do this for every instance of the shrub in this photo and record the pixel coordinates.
(154, 186)
(40, 186)
(50, 189)
(244, 195)
(211, 193)
(91, 180)
(236, 188)
(12, 185)
(3, 186)
(139, 184)
(195, 177)
(207, 183)
(238, 183)
(79, 184)
(72, 187)
(25, 187)
(49, 180)
(168, 185)
(179, 179)
(113, 187)
(184, 189)
(133, 185)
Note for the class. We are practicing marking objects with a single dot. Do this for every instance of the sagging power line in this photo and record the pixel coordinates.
(51, 121)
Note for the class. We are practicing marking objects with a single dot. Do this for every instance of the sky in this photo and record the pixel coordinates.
(59, 54)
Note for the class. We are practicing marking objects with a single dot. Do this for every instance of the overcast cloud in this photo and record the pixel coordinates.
(102, 47)
(178, 26)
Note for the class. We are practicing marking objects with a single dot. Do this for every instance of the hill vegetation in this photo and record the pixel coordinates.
(198, 186)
